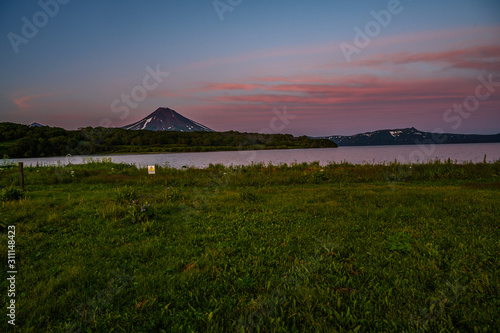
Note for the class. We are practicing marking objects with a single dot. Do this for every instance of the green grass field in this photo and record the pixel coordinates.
(297, 248)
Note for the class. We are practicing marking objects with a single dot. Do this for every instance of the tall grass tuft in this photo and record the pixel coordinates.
(125, 194)
(11, 194)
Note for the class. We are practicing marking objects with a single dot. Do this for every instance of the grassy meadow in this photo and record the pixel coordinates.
(260, 248)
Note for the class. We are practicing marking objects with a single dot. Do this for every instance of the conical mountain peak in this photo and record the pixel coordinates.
(166, 119)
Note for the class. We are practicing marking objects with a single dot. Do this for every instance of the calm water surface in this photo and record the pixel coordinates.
(357, 155)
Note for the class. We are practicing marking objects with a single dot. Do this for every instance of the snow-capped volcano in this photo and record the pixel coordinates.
(165, 119)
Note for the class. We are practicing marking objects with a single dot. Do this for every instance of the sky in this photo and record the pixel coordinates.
(314, 68)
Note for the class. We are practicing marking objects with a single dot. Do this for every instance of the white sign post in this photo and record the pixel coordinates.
(151, 171)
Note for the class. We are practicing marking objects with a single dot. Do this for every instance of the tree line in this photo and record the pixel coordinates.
(18, 141)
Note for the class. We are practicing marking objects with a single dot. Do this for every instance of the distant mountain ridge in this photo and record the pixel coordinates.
(166, 119)
(407, 136)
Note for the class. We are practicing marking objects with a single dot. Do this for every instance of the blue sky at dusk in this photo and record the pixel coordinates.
(424, 66)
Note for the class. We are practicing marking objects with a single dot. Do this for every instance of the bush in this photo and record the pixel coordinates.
(11, 194)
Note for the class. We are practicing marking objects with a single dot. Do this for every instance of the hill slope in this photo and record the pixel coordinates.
(408, 136)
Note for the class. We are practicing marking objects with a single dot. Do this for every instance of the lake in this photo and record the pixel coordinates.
(474, 152)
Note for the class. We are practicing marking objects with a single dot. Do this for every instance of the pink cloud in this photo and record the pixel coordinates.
(382, 86)
(229, 86)
(28, 101)
(451, 38)
(347, 90)
(485, 57)
(454, 36)
(311, 90)
(322, 103)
